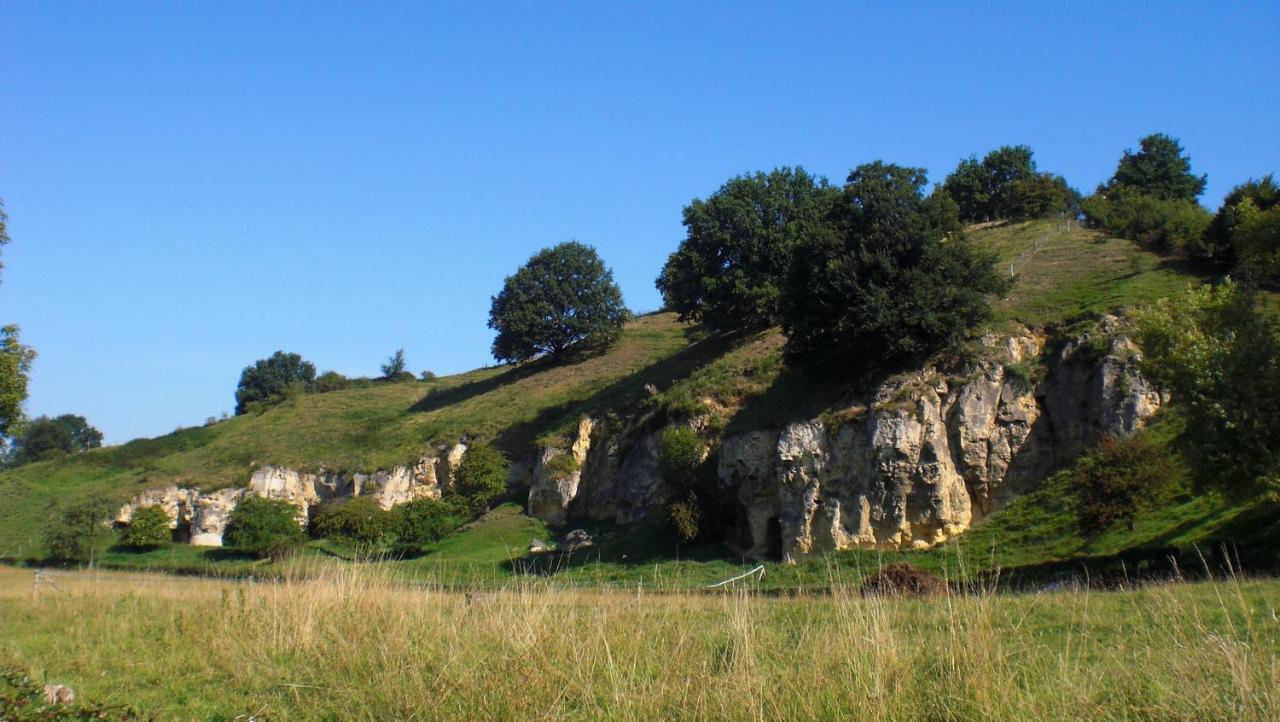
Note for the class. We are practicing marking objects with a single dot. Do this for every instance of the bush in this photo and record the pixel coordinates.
(357, 520)
(729, 270)
(148, 529)
(686, 517)
(1163, 225)
(899, 280)
(265, 528)
(1118, 479)
(902, 579)
(395, 365)
(482, 475)
(74, 535)
(562, 297)
(1220, 357)
(330, 381)
(1245, 233)
(47, 438)
(679, 454)
(422, 522)
(428, 376)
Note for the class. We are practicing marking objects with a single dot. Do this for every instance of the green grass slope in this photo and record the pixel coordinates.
(1062, 274)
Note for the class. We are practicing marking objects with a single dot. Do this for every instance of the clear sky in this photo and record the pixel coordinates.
(194, 185)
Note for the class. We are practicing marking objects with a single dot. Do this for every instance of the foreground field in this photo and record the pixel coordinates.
(352, 645)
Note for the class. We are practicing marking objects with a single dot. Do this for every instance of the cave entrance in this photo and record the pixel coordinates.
(773, 539)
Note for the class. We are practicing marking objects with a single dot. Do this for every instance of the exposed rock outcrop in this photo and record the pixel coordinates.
(201, 517)
(928, 455)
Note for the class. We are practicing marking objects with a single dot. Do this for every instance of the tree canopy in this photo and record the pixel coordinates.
(45, 438)
(562, 297)
(1160, 169)
(15, 359)
(270, 380)
(482, 475)
(394, 366)
(729, 271)
(1006, 185)
(1245, 232)
(896, 280)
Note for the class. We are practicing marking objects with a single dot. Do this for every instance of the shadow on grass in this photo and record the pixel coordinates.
(624, 393)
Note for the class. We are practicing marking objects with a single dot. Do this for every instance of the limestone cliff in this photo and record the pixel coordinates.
(926, 456)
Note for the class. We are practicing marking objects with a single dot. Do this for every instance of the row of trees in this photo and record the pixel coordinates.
(871, 273)
(1152, 198)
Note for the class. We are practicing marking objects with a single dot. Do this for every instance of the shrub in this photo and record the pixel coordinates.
(73, 535)
(686, 517)
(1118, 479)
(898, 281)
(482, 475)
(1245, 233)
(1220, 357)
(330, 381)
(902, 579)
(148, 529)
(358, 520)
(428, 376)
(729, 270)
(679, 454)
(1164, 225)
(422, 522)
(560, 298)
(395, 365)
(562, 466)
(46, 438)
(265, 528)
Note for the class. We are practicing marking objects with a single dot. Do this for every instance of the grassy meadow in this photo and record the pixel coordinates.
(347, 644)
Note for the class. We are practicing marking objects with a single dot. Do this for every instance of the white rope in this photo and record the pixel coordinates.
(759, 569)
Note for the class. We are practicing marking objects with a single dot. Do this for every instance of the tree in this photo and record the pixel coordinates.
(395, 365)
(562, 297)
(729, 270)
(46, 438)
(15, 367)
(359, 520)
(1161, 224)
(269, 381)
(482, 475)
(1005, 185)
(265, 528)
(423, 522)
(148, 529)
(1248, 203)
(1220, 357)
(74, 534)
(898, 280)
(1118, 479)
(1160, 170)
(15, 359)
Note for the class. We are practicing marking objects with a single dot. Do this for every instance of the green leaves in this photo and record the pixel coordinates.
(1220, 358)
(15, 365)
(1160, 170)
(562, 297)
(729, 271)
(896, 280)
(269, 381)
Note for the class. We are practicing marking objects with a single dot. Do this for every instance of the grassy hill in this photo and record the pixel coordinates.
(1062, 274)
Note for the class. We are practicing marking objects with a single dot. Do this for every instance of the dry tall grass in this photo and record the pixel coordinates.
(347, 644)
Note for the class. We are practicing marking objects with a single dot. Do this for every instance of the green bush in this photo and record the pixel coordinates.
(148, 529)
(265, 528)
(1160, 224)
(1220, 357)
(482, 475)
(330, 381)
(1120, 478)
(686, 517)
(679, 454)
(75, 534)
(357, 520)
(562, 466)
(272, 380)
(422, 522)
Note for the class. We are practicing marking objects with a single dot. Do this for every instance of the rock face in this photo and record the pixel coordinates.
(926, 457)
(932, 455)
(201, 517)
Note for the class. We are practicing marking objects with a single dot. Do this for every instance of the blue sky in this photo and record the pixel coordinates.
(192, 186)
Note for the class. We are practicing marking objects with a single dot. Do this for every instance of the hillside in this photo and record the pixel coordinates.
(1062, 275)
